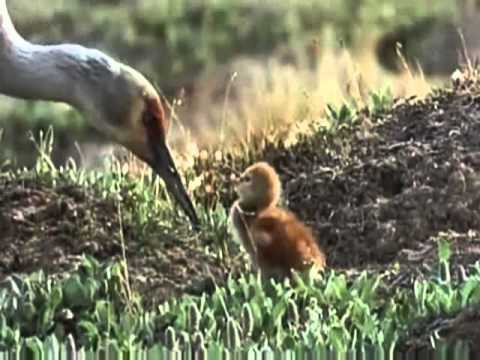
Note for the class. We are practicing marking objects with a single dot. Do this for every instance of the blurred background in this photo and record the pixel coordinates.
(230, 68)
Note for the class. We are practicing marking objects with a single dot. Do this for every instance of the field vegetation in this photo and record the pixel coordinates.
(382, 166)
(224, 62)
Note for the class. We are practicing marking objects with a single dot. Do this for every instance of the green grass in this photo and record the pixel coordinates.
(95, 303)
(144, 202)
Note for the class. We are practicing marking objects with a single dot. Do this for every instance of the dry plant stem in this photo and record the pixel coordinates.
(173, 113)
(225, 105)
(247, 230)
(405, 65)
(80, 154)
(211, 275)
(420, 73)
(44, 154)
(124, 254)
(465, 52)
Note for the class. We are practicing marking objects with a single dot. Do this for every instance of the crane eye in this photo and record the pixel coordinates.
(147, 118)
(153, 118)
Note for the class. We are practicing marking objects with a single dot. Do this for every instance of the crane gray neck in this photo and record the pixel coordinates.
(66, 73)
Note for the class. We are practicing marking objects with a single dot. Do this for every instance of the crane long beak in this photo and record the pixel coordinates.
(164, 166)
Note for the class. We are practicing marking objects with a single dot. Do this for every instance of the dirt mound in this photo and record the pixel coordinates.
(380, 190)
(51, 228)
(413, 177)
(375, 192)
(416, 176)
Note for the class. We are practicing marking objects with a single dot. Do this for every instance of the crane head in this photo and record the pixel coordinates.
(120, 102)
(133, 115)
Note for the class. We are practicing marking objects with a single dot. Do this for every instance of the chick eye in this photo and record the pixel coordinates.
(246, 178)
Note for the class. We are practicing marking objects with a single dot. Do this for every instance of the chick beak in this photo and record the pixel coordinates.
(235, 184)
(164, 166)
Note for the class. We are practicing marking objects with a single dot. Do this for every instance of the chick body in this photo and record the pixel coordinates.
(276, 240)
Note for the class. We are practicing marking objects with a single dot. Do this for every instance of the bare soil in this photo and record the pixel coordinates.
(377, 193)
(403, 180)
(52, 228)
(382, 190)
(385, 190)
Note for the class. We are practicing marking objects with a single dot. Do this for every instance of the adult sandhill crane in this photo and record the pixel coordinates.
(118, 100)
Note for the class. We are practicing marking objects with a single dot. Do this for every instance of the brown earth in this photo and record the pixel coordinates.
(51, 228)
(385, 190)
(409, 177)
(381, 191)
(376, 193)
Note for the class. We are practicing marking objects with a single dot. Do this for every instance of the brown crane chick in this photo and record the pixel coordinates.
(275, 239)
